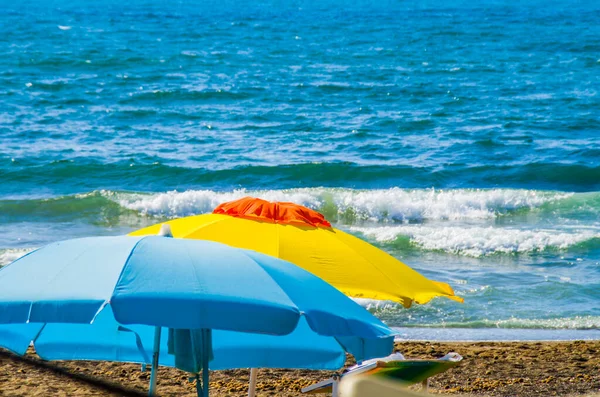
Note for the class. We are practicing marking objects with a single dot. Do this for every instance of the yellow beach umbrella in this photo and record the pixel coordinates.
(302, 236)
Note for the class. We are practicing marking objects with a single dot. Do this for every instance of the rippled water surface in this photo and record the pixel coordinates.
(462, 138)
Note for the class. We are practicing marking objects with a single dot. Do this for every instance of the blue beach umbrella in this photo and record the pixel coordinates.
(125, 290)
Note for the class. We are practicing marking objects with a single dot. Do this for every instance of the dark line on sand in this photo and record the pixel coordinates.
(98, 383)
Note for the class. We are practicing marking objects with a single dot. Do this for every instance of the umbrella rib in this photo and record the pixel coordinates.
(300, 313)
(125, 264)
(99, 310)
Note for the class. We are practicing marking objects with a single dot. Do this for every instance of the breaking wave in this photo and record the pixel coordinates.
(577, 322)
(453, 221)
(338, 204)
(349, 205)
(479, 241)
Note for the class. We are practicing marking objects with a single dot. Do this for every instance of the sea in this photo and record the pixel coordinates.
(461, 137)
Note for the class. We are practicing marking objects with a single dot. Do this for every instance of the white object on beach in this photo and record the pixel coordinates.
(452, 356)
(392, 357)
(368, 365)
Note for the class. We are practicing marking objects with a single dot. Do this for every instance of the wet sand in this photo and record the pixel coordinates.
(488, 368)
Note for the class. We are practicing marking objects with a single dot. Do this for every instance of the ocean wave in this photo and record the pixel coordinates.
(345, 206)
(478, 241)
(26, 174)
(193, 202)
(187, 95)
(577, 322)
(12, 254)
(349, 205)
(150, 172)
(98, 207)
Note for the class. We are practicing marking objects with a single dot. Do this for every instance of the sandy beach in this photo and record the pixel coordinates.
(487, 369)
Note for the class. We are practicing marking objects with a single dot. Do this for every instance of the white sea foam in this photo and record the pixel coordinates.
(377, 305)
(415, 205)
(478, 241)
(577, 322)
(534, 97)
(400, 205)
(177, 204)
(12, 254)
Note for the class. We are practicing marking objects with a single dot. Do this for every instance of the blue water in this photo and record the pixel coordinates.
(461, 137)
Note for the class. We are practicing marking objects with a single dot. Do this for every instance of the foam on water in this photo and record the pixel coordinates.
(494, 334)
(12, 254)
(178, 204)
(436, 316)
(479, 241)
(575, 323)
(395, 204)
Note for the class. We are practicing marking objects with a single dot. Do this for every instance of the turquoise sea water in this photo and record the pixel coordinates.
(462, 138)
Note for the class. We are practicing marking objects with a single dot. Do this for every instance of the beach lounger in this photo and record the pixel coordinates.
(394, 367)
(368, 386)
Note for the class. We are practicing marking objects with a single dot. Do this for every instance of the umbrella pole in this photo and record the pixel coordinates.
(252, 385)
(152, 390)
(207, 339)
(199, 391)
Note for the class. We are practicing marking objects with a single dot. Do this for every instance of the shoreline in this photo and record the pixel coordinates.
(487, 369)
(450, 335)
